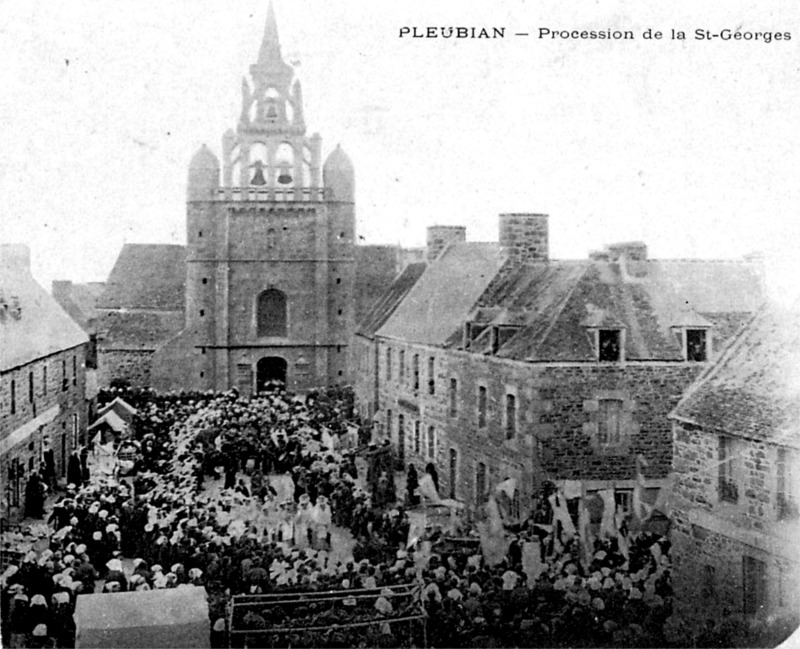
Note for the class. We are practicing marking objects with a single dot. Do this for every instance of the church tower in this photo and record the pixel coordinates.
(271, 237)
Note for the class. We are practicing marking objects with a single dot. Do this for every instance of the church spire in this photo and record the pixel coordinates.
(270, 52)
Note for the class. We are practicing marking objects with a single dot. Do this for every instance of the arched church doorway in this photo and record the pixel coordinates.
(270, 370)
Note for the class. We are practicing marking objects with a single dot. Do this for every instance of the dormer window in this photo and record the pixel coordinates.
(501, 334)
(697, 345)
(471, 331)
(609, 345)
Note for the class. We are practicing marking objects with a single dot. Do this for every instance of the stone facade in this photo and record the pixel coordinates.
(735, 553)
(55, 413)
(554, 428)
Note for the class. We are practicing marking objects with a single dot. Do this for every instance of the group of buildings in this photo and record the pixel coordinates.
(489, 360)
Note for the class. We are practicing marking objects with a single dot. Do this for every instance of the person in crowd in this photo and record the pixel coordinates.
(34, 497)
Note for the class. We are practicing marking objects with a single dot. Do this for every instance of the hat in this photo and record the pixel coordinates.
(97, 536)
(40, 630)
(114, 565)
(219, 625)
(38, 600)
(80, 549)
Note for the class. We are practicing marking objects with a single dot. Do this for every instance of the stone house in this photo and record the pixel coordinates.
(42, 379)
(502, 363)
(736, 440)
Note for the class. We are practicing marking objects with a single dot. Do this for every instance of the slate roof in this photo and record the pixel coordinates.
(440, 300)
(146, 276)
(32, 324)
(383, 308)
(137, 330)
(80, 301)
(556, 305)
(376, 269)
(753, 390)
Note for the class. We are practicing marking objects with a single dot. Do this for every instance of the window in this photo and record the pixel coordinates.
(453, 397)
(205, 280)
(402, 365)
(64, 381)
(609, 345)
(511, 416)
(453, 471)
(63, 454)
(272, 238)
(709, 581)
(431, 375)
(480, 484)
(401, 438)
(13, 396)
(202, 312)
(30, 387)
(44, 380)
(787, 505)
(271, 314)
(623, 500)
(74, 370)
(431, 443)
(417, 438)
(415, 369)
(388, 364)
(389, 424)
(481, 407)
(754, 585)
(75, 422)
(728, 489)
(609, 431)
(696, 345)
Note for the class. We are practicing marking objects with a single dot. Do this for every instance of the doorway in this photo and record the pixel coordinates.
(269, 371)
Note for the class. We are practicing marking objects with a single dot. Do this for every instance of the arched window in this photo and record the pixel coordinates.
(271, 313)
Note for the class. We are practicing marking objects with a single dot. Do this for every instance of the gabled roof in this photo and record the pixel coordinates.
(32, 324)
(121, 408)
(383, 308)
(753, 390)
(440, 300)
(146, 276)
(560, 303)
(79, 300)
(376, 269)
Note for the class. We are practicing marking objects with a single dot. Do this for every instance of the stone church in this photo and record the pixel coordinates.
(265, 289)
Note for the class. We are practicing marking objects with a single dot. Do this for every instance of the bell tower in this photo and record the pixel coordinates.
(271, 235)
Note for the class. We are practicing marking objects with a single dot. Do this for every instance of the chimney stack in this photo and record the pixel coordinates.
(439, 236)
(525, 237)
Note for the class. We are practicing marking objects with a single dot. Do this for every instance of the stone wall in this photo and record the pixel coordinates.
(57, 412)
(557, 424)
(132, 366)
(712, 536)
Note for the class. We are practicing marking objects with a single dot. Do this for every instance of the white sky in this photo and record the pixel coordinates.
(692, 147)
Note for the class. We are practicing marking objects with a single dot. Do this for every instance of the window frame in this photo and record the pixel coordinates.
(510, 415)
(265, 326)
(706, 344)
(452, 406)
(620, 333)
(483, 400)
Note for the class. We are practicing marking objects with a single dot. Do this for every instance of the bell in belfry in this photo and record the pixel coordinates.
(284, 177)
(258, 175)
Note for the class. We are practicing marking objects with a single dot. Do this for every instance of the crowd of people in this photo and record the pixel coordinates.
(290, 481)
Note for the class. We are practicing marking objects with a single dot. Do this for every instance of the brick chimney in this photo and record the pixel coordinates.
(439, 236)
(525, 237)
